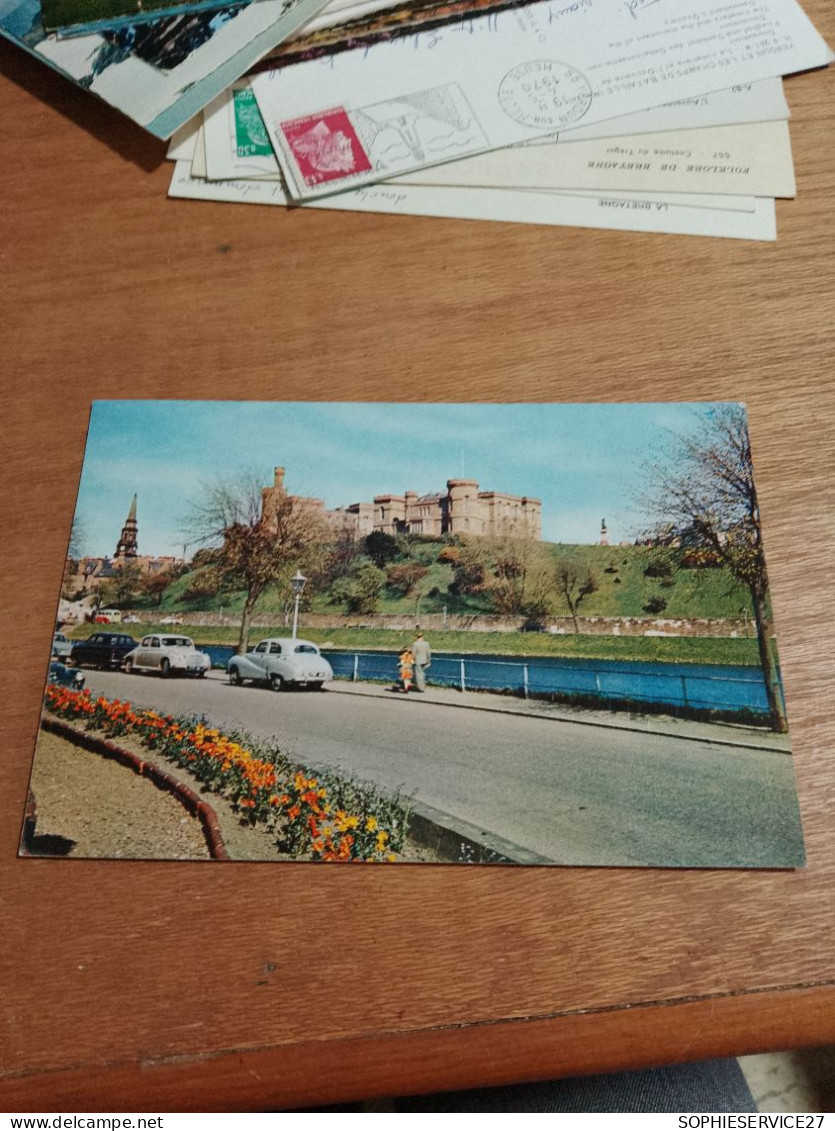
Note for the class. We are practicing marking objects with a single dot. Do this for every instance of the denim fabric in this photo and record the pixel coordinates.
(709, 1086)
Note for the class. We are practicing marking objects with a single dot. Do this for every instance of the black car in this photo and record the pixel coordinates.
(102, 650)
(67, 677)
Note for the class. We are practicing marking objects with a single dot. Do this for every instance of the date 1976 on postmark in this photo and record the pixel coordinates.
(545, 94)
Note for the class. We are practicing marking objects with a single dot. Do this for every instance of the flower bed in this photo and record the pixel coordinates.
(322, 817)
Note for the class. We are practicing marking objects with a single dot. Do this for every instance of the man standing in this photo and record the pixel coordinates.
(422, 654)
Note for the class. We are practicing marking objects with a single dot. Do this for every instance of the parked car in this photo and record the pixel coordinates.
(66, 677)
(171, 620)
(130, 618)
(281, 662)
(166, 655)
(102, 649)
(108, 616)
(61, 647)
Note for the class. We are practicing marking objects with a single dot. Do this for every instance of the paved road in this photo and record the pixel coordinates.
(573, 793)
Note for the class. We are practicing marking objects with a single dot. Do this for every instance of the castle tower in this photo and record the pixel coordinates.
(604, 534)
(271, 497)
(126, 546)
(463, 507)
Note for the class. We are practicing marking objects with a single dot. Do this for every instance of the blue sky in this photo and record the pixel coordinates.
(584, 461)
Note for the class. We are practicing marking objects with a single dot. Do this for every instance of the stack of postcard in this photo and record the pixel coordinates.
(634, 114)
(659, 117)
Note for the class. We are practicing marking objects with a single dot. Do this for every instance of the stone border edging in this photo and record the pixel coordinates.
(449, 836)
(199, 808)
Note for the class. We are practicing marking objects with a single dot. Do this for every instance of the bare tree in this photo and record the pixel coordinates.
(75, 551)
(704, 498)
(254, 545)
(574, 584)
(522, 575)
(78, 537)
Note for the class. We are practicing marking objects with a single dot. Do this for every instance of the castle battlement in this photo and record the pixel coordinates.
(461, 509)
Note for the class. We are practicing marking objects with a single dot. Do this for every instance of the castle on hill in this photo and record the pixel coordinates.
(461, 509)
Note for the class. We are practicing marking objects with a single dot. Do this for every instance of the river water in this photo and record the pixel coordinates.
(699, 686)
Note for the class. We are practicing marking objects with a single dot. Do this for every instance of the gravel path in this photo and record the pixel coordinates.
(91, 806)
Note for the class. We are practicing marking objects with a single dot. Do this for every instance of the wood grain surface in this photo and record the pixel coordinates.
(134, 986)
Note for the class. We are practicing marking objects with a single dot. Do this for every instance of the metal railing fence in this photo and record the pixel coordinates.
(584, 680)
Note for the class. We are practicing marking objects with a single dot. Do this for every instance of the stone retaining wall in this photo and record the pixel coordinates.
(437, 622)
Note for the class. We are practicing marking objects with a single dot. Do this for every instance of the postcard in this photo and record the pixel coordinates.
(507, 653)
(762, 101)
(732, 217)
(376, 21)
(750, 160)
(235, 140)
(182, 141)
(160, 74)
(78, 17)
(198, 164)
(364, 116)
(339, 12)
(478, 203)
(754, 160)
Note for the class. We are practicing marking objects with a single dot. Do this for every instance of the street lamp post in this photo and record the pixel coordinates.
(298, 582)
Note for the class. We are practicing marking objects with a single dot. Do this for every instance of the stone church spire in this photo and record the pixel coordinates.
(126, 547)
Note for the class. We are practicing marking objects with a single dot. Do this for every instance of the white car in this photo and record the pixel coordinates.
(280, 662)
(171, 620)
(167, 655)
(61, 647)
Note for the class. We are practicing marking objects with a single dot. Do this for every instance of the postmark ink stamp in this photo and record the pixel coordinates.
(545, 94)
(419, 128)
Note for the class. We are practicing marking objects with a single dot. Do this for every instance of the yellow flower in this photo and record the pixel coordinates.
(371, 824)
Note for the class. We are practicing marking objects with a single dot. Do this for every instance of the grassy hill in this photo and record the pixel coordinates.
(630, 581)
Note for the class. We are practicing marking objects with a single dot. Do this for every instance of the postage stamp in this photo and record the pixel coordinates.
(250, 135)
(545, 94)
(325, 147)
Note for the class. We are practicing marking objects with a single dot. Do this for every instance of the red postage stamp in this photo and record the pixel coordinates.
(325, 146)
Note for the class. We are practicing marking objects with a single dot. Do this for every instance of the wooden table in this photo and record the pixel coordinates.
(136, 986)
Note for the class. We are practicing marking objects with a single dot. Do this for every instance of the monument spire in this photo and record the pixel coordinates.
(126, 546)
